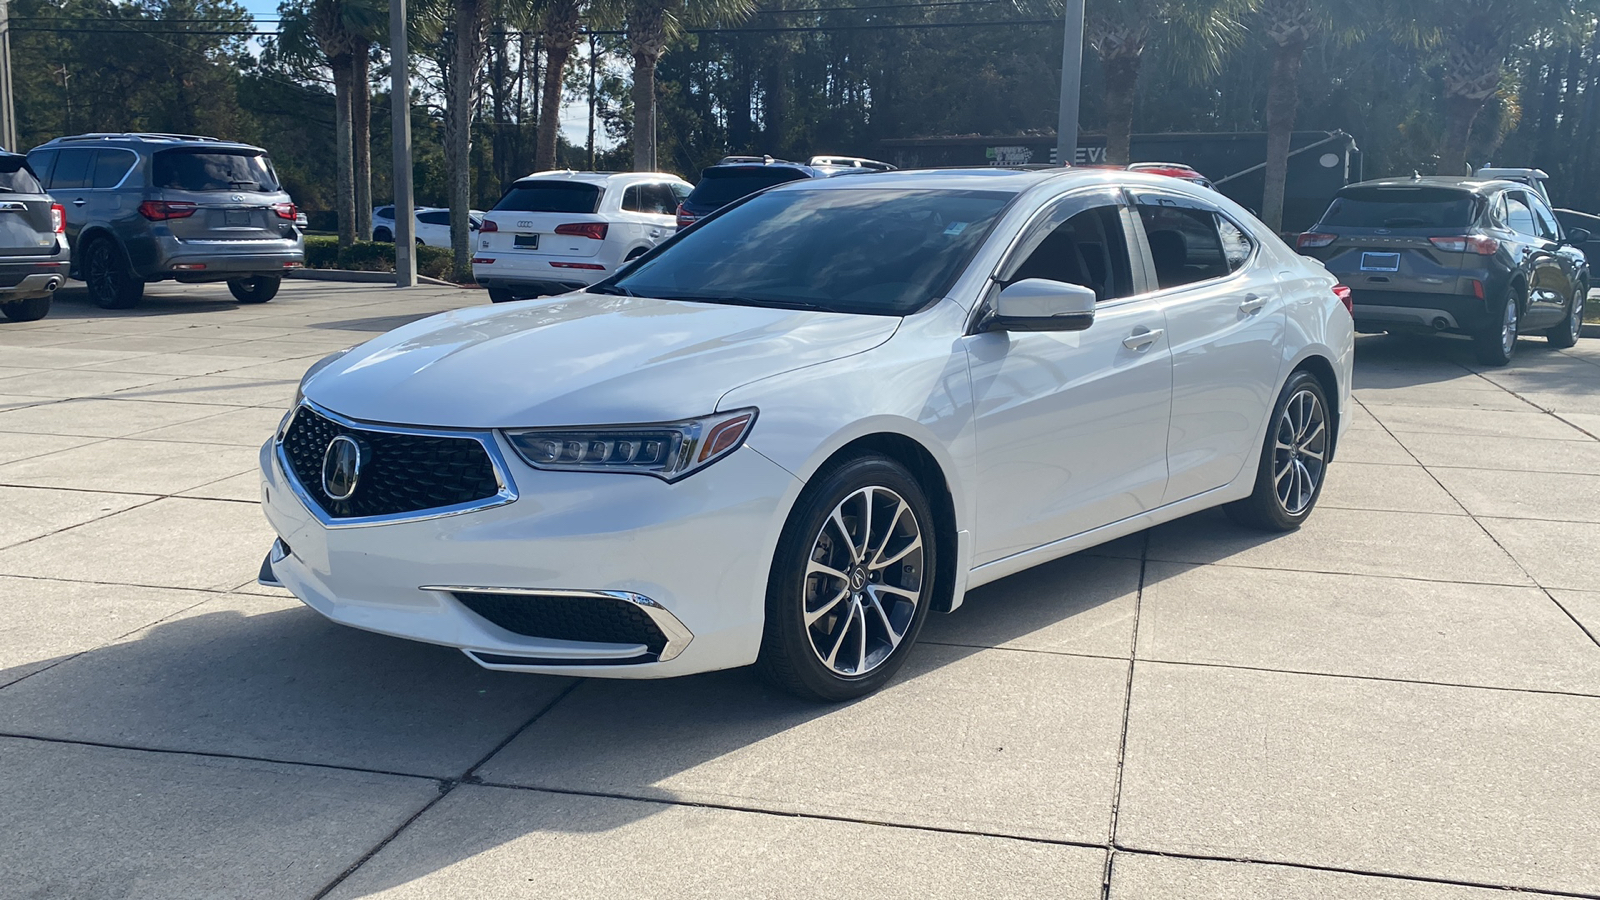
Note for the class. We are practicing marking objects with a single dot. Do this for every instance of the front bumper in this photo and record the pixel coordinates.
(698, 551)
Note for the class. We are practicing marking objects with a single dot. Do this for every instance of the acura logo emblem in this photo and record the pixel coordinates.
(341, 467)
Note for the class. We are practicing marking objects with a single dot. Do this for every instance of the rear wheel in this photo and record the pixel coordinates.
(501, 295)
(851, 582)
(258, 289)
(1567, 333)
(105, 272)
(29, 310)
(1498, 341)
(1294, 459)
(383, 236)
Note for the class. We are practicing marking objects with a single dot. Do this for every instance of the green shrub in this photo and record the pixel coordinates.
(367, 256)
(322, 252)
(434, 262)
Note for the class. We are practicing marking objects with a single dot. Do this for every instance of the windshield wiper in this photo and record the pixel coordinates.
(612, 290)
(735, 300)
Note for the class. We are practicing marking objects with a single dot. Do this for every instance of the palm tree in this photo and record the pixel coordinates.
(562, 29)
(337, 41)
(651, 25)
(1194, 38)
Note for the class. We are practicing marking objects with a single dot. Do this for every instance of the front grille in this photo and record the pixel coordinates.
(400, 473)
(600, 620)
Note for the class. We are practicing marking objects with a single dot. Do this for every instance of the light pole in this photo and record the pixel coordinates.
(8, 112)
(1071, 76)
(405, 248)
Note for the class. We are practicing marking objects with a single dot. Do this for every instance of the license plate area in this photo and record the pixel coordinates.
(525, 241)
(236, 218)
(1380, 262)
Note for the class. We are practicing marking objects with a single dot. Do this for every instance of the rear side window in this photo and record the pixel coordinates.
(551, 196)
(1519, 217)
(15, 178)
(437, 217)
(1186, 242)
(1401, 207)
(384, 212)
(205, 169)
(41, 161)
(72, 169)
(110, 166)
(721, 186)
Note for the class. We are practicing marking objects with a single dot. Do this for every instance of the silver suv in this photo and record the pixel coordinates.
(149, 207)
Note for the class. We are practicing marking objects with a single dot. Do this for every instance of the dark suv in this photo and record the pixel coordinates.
(735, 177)
(149, 207)
(1458, 254)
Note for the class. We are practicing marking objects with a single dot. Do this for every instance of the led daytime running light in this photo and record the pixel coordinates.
(668, 451)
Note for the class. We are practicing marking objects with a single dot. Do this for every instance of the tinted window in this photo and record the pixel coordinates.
(680, 193)
(1519, 217)
(874, 251)
(1236, 245)
(435, 217)
(206, 169)
(1088, 249)
(657, 200)
(72, 169)
(721, 186)
(15, 177)
(110, 166)
(551, 196)
(383, 212)
(631, 199)
(1401, 207)
(1545, 219)
(40, 162)
(1185, 244)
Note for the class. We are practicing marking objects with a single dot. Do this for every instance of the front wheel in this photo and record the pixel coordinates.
(1294, 459)
(1567, 333)
(29, 310)
(851, 582)
(1496, 343)
(258, 289)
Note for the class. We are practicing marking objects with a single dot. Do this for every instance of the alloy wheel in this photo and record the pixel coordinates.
(100, 275)
(1508, 328)
(1301, 452)
(1575, 322)
(864, 580)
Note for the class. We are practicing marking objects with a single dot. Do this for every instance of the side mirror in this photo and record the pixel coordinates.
(1578, 236)
(1037, 304)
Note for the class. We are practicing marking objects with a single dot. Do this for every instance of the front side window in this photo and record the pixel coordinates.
(871, 251)
(210, 170)
(658, 199)
(1088, 249)
(1186, 243)
(1544, 219)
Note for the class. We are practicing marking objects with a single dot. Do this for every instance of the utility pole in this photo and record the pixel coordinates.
(1071, 76)
(8, 112)
(592, 59)
(405, 247)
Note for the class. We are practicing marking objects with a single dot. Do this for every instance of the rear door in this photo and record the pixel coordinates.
(433, 227)
(70, 179)
(527, 218)
(653, 207)
(25, 227)
(233, 190)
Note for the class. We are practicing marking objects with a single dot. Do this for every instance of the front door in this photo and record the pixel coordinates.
(1071, 426)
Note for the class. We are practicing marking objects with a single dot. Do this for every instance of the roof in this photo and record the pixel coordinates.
(988, 178)
(146, 137)
(597, 178)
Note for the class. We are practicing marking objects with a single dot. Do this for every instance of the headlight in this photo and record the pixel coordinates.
(669, 451)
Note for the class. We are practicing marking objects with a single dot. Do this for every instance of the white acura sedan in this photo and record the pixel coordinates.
(788, 434)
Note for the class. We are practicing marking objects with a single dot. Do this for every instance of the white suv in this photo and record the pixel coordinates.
(554, 232)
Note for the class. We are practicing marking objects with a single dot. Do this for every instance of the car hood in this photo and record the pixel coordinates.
(580, 359)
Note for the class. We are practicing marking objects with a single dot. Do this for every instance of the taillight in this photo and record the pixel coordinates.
(1313, 240)
(159, 210)
(58, 218)
(595, 230)
(1342, 291)
(285, 210)
(488, 226)
(685, 218)
(1467, 243)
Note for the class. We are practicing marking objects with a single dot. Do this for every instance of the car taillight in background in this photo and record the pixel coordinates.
(594, 230)
(285, 210)
(159, 210)
(1467, 243)
(685, 218)
(1342, 291)
(488, 226)
(1312, 239)
(58, 218)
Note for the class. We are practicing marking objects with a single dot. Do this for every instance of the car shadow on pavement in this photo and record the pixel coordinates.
(72, 302)
(374, 324)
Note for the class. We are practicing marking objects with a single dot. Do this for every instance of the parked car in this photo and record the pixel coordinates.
(1534, 178)
(1173, 170)
(431, 228)
(737, 177)
(1573, 221)
(150, 207)
(791, 433)
(34, 254)
(1456, 254)
(554, 232)
(842, 164)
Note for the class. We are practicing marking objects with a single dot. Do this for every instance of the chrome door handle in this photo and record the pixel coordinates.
(655, 232)
(1141, 340)
(79, 202)
(1252, 304)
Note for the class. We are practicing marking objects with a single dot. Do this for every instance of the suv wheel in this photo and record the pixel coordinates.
(383, 236)
(501, 295)
(105, 272)
(29, 310)
(1567, 333)
(1498, 341)
(1294, 459)
(851, 582)
(258, 289)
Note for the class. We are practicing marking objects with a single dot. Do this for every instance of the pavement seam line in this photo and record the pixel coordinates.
(216, 754)
(1127, 709)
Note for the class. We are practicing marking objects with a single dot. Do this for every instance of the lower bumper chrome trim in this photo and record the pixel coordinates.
(678, 636)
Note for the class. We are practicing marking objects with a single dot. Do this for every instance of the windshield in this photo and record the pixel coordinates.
(551, 197)
(17, 178)
(208, 169)
(1401, 207)
(871, 251)
(719, 187)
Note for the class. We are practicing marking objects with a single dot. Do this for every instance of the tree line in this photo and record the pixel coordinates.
(1425, 85)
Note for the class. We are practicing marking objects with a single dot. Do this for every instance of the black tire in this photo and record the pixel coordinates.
(636, 253)
(889, 586)
(383, 236)
(1567, 333)
(105, 271)
(258, 289)
(30, 310)
(1275, 505)
(501, 295)
(1498, 340)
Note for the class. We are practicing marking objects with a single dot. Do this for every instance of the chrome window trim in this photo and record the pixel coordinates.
(502, 473)
(678, 636)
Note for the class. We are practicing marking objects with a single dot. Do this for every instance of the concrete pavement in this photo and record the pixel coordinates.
(1402, 700)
